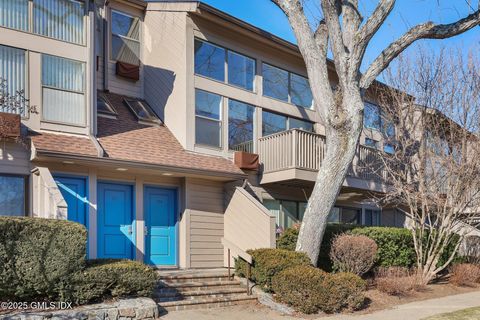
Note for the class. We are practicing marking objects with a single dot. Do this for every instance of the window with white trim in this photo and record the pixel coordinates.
(13, 74)
(208, 118)
(125, 39)
(12, 195)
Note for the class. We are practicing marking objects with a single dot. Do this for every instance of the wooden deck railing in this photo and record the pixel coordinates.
(306, 150)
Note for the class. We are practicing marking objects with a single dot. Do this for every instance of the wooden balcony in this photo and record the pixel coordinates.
(295, 156)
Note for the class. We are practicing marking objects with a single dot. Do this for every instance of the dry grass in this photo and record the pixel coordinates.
(465, 275)
(397, 281)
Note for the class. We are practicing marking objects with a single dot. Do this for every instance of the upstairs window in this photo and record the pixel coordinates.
(13, 74)
(389, 148)
(371, 117)
(300, 124)
(300, 92)
(273, 123)
(241, 71)
(275, 82)
(104, 107)
(208, 119)
(240, 126)
(209, 60)
(14, 14)
(142, 111)
(59, 19)
(125, 46)
(371, 143)
(63, 85)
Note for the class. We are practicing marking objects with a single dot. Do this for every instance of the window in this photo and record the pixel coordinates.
(371, 118)
(287, 213)
(14, 14)
(241, 70)
(59, 19)
(351, 215)
(142, 111)
(63, 90)
(389, 148)
(334, 216)
(12, 195)
(294, 123)
(240, 126)
(208, 121)
(275, 82)
(125, 45)
(273, 123)
(209, 60)
(371, 217)
(300, 92)
(13, 73)
(104, 106)
(371, 143)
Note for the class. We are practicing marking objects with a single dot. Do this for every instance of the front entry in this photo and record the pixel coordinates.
(160, 226)
(73, 190)
(115, 221)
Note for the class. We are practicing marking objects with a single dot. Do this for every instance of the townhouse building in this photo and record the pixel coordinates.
(165, 127)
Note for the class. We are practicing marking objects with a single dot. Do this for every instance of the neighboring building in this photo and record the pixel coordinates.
(141, 107)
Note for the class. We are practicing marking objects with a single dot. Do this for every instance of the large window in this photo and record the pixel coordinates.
(14, 14)
(12, 195)
(59, 19)
(210, 62)
(371, 118)
(63, 90)
(125, 45)
(286, 86)
(287, 213)
(240, 126)
(12, 73)
(208, 119)
(273, 123)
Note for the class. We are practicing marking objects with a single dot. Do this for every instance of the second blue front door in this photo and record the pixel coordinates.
(160, 226)
(115, 221)
(73, 190)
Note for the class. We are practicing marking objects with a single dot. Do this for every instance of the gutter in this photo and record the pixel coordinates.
(136, 164)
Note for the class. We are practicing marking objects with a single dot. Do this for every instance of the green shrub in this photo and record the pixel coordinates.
(395, 245)
(308, 289)
(301, 287)
(268, 262)
(288, 239)
(109, 278)
(39, 256)
(343, 291)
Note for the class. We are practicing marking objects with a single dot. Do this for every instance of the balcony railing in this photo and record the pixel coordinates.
(298, 149)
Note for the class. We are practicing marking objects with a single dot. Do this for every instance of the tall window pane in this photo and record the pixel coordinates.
(275, 82)
(63, 90)
(240, 126)
(12, 196)
(300, 92)
(13, 73)
(125, 38)
(300, 124)
(14, 14)
(209, 60)
(351, 215)
(59, 19)
(208, 124)
(241, 70)
(371, 118)
(290, 213)
(272, 123)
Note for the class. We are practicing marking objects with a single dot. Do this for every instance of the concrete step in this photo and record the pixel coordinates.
(197, 284)
(194, 275)
(207, 302)
(188, 294)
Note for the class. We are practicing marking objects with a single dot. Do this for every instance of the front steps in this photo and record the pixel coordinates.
(199, 289)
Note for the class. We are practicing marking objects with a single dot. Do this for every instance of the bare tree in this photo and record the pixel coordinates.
(340, 108)
(434, 172)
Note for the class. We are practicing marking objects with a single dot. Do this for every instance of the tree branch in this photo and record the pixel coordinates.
(427, 30)
(321, 37)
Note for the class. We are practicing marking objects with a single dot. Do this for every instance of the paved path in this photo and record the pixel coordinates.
(411, 311)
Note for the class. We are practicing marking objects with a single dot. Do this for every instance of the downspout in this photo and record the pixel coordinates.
(105, 45)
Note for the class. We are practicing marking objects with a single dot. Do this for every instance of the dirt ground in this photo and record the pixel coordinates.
(376, 301)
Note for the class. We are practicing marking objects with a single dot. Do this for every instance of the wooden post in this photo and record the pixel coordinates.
(249, 271)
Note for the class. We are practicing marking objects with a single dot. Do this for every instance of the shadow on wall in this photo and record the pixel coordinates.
(158, 84)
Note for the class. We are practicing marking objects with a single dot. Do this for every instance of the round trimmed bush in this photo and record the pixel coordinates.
(301, 287)
(353, 253)
(268, 262)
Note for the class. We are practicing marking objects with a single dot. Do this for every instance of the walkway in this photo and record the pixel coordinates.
(411, 311)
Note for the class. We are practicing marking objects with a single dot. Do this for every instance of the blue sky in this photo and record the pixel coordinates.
(407, 13)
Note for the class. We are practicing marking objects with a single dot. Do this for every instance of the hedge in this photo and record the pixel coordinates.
(38, 257)
(268, 262)
(108, 278)
(309, 289)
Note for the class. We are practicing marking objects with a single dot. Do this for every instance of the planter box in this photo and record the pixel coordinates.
(245, 160)
(10, 125)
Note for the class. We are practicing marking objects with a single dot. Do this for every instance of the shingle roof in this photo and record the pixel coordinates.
(67, 144)
(126, 139)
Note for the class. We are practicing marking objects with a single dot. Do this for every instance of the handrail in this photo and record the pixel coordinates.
(242, 255)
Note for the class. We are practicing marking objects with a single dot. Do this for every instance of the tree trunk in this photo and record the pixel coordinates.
(341, 149)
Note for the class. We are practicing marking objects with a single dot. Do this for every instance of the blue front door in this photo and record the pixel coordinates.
(160, 226)
(74, 192)
(115, 221)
